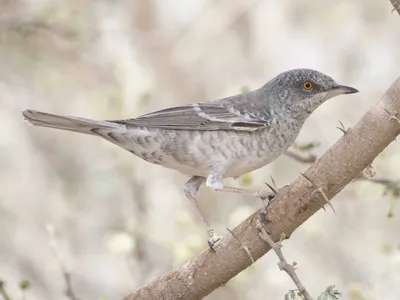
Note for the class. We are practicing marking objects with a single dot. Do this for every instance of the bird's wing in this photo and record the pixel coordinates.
(201, 116)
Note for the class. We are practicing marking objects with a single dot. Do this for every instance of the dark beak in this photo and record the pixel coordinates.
(343, 89)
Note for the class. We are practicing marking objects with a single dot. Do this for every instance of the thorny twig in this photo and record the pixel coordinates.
(389, 184)
(283, 265)
(319, 190)
(245, 248)
(69, 292)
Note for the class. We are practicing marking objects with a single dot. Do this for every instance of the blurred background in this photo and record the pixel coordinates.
(114, 222)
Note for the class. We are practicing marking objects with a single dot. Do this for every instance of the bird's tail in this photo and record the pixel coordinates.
(76, 124)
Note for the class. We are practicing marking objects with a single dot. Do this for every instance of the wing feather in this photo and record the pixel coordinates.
(216, 115)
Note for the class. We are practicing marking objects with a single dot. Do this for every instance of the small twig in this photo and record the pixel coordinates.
(306, 160)
(69, 292)
(244, 247)
(283, 265)
(319, 190)
(3, 291)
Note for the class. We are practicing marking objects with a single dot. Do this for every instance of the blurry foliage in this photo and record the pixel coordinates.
(392, 188)
(24, 286)
(357, 292)
(293, 295)
(330, 294)
(246, 179)
(244, 89)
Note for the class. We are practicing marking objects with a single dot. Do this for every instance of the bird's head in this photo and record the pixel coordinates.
(301, 91)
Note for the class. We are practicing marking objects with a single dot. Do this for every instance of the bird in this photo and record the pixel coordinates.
(218, 139)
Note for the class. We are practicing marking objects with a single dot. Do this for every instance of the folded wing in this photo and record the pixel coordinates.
(201, 116)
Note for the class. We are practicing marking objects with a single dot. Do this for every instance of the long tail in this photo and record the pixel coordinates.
(76, 124)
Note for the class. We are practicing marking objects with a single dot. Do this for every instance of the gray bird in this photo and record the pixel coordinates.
(218, 139)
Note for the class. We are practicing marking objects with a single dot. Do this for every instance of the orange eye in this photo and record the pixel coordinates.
(307, 85)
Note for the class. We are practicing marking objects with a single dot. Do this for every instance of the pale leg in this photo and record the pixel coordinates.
(214, 181)
(191, 188)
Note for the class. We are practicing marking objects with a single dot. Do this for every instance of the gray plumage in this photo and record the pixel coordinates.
(213, 140)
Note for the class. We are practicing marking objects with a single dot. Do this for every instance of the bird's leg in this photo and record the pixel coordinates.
(214, 181)
(191, 188)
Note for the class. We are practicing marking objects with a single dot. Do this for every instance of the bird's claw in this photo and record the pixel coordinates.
(266, 199)
(263, 214)
(213, 239)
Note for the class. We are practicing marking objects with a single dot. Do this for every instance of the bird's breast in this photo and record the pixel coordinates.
(263, 147)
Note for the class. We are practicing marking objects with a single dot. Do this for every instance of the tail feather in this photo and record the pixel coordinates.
(76, 124)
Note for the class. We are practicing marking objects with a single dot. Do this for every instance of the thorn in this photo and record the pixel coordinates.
(320, 191)
(271, 188)
(342, 128)
(245, 248)
(392, 116)
(273, 182)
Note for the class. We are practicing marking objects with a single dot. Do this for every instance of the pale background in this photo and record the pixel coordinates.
(119, 221)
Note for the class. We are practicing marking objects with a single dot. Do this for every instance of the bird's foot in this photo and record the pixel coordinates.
(266, 199)
(212, 238)
(265, 202)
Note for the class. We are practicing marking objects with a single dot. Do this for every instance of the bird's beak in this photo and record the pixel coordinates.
(343, 89)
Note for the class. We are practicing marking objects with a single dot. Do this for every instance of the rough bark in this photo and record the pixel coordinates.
(293, 205)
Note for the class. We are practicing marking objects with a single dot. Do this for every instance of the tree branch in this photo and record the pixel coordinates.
(366, 174)
(283, 264)
(293, 205)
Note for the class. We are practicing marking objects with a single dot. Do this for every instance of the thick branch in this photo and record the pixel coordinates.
(293, 205)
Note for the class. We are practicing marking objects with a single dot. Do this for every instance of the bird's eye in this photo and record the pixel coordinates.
(307, 85)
